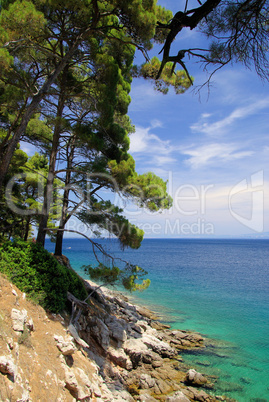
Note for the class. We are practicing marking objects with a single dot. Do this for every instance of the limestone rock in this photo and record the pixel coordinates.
(76, 336)
(177, 397)
(195, 378)
(71, 381)
(10, 343)
(66, 346)
(7, 366)
(101, 333)
(160, 347)
(144, 397)
(30, 324)
(82, 395)
(117, 329)
(196, 395)
(119, 357)
(146, 381)
(19, 319)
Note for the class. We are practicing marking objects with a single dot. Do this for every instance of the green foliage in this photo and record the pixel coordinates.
(37, 273)
(177, 79)
(25, 338)
(126, 277)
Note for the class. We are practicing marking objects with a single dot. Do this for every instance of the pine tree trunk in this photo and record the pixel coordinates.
(64, 217)
(48, 191)
(27, 228)
(31, 109)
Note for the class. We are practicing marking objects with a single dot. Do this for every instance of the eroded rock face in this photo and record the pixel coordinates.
(195, 378)
(114, 353)
(146, 381)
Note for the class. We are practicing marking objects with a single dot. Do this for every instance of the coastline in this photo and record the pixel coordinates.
(139, 355)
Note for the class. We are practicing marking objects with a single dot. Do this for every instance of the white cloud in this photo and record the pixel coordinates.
(143, 95)
(218, 127)
(143, 141)
(208, 154)
(163, 160)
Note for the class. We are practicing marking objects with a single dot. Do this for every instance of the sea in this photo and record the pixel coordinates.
(217, 287)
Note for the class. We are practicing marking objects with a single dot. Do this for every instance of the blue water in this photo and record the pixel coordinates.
(219, 288)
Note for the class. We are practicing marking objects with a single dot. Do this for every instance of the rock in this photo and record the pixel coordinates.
(195, 378)
(19, 319)
(146, 381)
(135, 348)
(146, 398)
(30, 324)
(14, 292)
(117, 329)
(66, 346)
(159, 325)
(71, 381)
(10, 343)
(177, 397)
(196, 395)
(162, 387)
(7, 366)
(145, 312)
(101, 333)
(119, 357)
(72, 330)
(160, 347)
(136, 328)
(83, 395)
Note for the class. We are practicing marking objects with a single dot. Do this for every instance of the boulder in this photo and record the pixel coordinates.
(146, 398)
(19, 319)
(135, 348)
(7, 366)
(117, 329)
(195, 378)
(66, 346)
(30, 324)
(146, 381)
(119, 357)
(196, 395)
(177, 397)
(71, 381)
(160, 347)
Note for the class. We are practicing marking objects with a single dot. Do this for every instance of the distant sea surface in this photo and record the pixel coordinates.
(219, 288)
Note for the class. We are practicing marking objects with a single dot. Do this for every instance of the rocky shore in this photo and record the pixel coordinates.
(110, 350)
(138, 356)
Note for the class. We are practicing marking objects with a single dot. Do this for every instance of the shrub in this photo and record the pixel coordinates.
(36, 272)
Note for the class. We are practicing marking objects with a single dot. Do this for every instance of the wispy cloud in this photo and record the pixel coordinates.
(154, 151)
(219, 127)
(144, 141)
(209, 154)
(144, 97)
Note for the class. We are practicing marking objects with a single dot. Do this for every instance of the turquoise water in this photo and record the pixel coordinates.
(219, 288)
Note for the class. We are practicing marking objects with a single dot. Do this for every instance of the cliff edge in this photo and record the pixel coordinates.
(109, 350)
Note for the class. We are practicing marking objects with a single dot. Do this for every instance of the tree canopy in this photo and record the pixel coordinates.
(237, 31)
(66, 70)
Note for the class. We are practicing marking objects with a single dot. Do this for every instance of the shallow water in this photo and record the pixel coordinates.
(219, 288)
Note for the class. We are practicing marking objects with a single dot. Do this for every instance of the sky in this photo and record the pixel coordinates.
(211, 146)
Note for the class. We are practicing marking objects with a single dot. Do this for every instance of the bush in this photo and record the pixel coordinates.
(36, 272)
